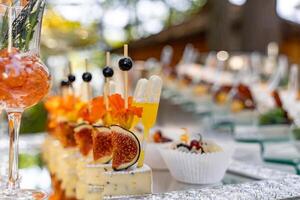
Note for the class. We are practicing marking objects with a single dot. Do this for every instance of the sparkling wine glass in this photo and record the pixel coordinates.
(24, 80)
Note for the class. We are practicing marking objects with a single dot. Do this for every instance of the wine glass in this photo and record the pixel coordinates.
(24, 80)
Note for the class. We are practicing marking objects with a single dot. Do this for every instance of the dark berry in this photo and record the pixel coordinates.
(196, 144)
(86, 76)
(125, 64)
(64, 83)
(108, 72)
(181, 145)
(71, 78)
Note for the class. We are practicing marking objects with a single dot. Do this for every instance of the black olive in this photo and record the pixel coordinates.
(71, 78)
(64, 83)
(125, 64)
(108, 72)
(86, 76)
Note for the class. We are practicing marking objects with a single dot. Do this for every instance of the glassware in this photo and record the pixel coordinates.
(150, 106)
(24, 80)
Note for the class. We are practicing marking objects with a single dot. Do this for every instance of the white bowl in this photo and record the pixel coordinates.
(207, 168)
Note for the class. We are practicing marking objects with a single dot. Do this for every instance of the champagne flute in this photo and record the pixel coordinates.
(150, 109)
(24, 81)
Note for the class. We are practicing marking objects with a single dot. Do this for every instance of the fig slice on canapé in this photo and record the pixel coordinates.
(102, 144)
(83, 138)
(65, 133)
(126, 148)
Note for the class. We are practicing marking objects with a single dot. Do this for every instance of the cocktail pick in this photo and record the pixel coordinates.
(87, 77)
(71, 76)
(125, 64)
(108, 72)
(112, 87)
(9, 48)
(64, 88)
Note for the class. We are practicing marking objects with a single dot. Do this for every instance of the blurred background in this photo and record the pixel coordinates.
(148, 25)
(77, 29)
(166, 34)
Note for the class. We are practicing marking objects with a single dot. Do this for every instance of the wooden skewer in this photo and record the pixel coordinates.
(86, 64)
(70, 72)
(107, 58)
(126, 79)
(107, 79)
(106, 93)
(87, 83)
(125, 50)
(70, 67)
(9, 49)
(106, 83)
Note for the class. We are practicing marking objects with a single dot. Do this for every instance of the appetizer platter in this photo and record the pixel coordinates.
(99, 151)
(109, 135)
(100, 154)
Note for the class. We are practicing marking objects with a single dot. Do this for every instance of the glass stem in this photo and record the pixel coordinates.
(143, 147)
(14, 121)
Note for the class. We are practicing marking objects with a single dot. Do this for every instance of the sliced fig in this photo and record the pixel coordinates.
(126, 148)
(102, 144)
(65, 133)
(83, 138)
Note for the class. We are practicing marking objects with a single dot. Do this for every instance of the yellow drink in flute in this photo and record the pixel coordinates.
(149, 115)
(148, 120)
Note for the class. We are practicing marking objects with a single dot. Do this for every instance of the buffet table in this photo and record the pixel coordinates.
(257, 180)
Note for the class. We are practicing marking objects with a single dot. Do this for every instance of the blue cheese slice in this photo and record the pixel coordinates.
(68, 176)
(90, 178)
(111, 183)
(133, 182)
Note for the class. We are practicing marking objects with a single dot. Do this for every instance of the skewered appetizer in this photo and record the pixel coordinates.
(60, 148)
(236, 102)
(242, 98)
(277, 115)
(101, 138)
(116, 149)
(220, 97)
(202, 88)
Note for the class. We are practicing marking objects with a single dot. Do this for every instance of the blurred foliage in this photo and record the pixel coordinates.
(34, 119)
(60, 35)
(175, 16)
(98, 58)
(30, 160)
